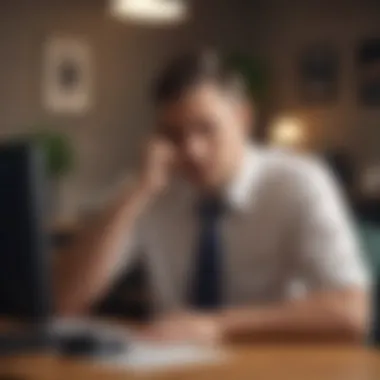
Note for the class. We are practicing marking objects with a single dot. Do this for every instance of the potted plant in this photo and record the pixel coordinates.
(256, 76)
(254, 72)
(59, 159)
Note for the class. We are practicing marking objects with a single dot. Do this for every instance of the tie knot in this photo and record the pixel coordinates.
(211, 208)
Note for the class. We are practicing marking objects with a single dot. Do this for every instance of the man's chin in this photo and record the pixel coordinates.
(203, 184)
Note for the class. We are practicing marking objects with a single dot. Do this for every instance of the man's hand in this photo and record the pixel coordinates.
(185, 327)
(157, 166)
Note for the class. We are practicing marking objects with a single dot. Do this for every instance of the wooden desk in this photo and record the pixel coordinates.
(245, 363)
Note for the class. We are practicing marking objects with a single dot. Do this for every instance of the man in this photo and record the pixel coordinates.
(240, 241)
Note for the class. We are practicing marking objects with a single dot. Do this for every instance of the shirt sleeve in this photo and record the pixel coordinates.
(328, 255)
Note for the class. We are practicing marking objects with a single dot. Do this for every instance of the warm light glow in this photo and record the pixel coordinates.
(288, 132)
(150, 11)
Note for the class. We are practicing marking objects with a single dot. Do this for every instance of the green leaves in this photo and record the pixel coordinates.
(255, 73)
(58, 152)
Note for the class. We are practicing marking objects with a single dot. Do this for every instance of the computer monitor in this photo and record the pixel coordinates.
(25, 287)
(24, 247)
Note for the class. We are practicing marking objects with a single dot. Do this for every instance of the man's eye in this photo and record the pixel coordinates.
(205, 128)
(172, 136)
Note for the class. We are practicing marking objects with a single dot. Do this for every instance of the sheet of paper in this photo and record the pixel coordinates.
(147, 357)
(143, 356)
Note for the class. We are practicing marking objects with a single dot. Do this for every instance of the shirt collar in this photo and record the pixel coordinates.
(240, 191)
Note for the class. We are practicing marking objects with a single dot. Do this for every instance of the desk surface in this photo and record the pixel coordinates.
(265, 362)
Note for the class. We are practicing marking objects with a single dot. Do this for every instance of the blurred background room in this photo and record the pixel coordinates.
(75, 75)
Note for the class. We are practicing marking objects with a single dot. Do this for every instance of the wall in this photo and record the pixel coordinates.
(282, 29)
(126, 57)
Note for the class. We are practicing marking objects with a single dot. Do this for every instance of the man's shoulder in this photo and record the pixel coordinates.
(286, 169)
(288, 164)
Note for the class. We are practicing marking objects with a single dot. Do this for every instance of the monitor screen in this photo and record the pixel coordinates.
(24, 269)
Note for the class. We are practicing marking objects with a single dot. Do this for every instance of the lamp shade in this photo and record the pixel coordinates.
(287, 132)
(150, 11)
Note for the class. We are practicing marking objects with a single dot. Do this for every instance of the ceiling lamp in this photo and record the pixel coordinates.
(150, 11)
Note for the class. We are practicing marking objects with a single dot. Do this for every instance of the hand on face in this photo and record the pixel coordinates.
(157, 165)
(185, 327)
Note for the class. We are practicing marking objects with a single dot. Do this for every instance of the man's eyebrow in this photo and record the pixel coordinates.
(167, 126)
(167, 129)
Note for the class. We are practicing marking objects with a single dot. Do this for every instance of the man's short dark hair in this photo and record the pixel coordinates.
(189, 70)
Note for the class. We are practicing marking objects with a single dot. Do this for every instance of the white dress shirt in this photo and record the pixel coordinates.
(287, 233)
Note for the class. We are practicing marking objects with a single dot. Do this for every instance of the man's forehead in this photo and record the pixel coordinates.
(206, 98)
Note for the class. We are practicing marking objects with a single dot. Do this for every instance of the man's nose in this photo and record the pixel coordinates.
(193, 148)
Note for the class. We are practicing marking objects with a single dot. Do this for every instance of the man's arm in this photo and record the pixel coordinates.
(84, 274)
(340, 316)
(331, 317)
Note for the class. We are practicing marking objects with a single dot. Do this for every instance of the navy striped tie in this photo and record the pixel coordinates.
(206, 289)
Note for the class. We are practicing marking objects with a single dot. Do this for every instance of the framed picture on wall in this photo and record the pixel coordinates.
(317, 74)
(67, 76)
(368, 67)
